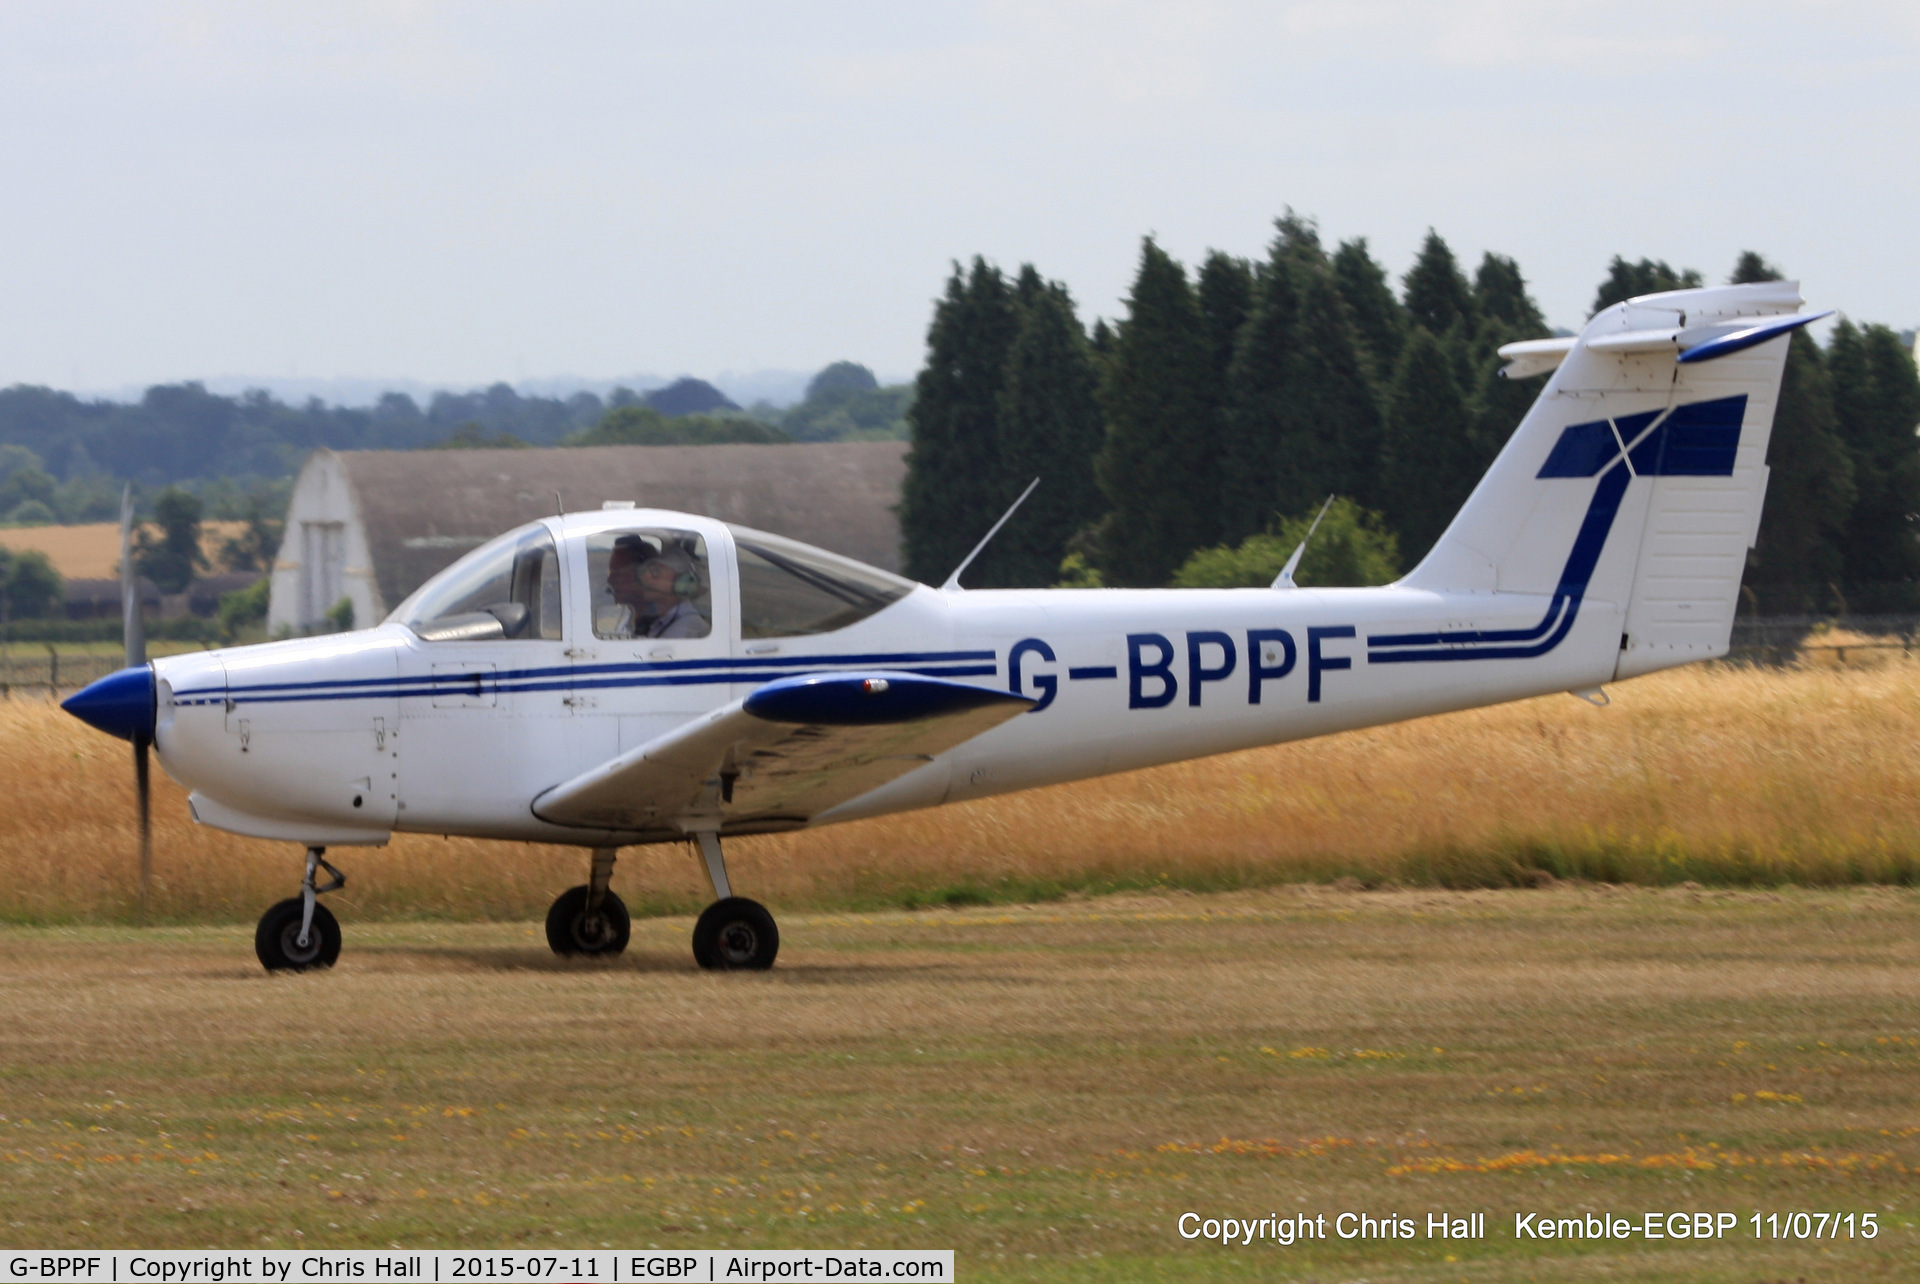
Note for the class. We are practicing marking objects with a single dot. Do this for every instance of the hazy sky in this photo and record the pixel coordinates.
(467, 192)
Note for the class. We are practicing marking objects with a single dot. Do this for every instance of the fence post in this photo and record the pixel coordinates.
(53, 672)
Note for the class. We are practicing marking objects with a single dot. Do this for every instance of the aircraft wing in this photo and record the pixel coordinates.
(788, 751)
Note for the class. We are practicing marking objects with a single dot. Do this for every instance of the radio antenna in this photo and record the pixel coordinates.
(953, 581)
(1284, 580)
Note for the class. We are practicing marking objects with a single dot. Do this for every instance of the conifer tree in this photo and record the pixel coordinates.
(1648, 276)
(1430, 462)
(1331, 437)
(1225, 293)
(1507, 313)
(1159, 465)
(1437, 295)
(1876, 402)
(1303, 415)
(1258, 404)
(1379, 322)
(1050, 421)
(1224, 289)
(1749, 269)
(956, 479)
(1797, 565)
(1500, 296)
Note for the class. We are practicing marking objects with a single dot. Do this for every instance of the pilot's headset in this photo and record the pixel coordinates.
(686, 580)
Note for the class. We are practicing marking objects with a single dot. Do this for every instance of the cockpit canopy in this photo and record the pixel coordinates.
(648, 580)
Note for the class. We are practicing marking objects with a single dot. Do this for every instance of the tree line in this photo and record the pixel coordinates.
(1228, 402)
(65, 459)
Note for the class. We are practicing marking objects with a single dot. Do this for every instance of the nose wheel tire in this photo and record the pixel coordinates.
(277, 939)
(735, 934)
(572, 930)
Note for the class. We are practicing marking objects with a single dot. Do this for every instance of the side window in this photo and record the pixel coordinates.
(788, 589)
(650, 584)
(509, 588)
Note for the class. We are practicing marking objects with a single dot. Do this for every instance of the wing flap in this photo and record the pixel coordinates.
(789, 751)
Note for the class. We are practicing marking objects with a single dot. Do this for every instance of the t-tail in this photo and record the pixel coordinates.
(1635, 481)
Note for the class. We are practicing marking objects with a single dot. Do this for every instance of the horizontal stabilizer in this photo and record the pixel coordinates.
(1689, 344)
(1532, 357)
(785, 753)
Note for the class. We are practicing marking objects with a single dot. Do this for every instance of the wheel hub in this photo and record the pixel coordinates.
(738, 941)
(591, 931)
(290, 946)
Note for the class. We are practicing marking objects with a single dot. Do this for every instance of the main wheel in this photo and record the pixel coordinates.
(571, 930)
(735, 934)
(277, 939)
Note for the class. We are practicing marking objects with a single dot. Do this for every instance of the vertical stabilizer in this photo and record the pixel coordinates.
(1637, 477)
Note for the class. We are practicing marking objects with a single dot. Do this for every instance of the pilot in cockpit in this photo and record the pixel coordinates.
(653, 587)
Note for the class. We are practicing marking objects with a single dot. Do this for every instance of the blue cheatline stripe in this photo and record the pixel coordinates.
(739, 667)
(466, 684)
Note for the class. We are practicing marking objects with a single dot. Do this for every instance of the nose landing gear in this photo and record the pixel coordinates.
(301, 933)
(590, 919)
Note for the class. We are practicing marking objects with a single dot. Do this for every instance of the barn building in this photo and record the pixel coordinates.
(372, 525)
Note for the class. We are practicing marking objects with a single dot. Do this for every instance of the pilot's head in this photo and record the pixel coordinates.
(666, 577)
(630, 553)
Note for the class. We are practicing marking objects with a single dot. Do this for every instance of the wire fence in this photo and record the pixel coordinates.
(46, 671)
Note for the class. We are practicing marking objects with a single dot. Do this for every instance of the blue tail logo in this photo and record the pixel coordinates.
(1701, 439)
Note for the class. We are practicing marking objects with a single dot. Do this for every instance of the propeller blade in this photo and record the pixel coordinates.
(134, 631)
(142, 782)
(133, 628)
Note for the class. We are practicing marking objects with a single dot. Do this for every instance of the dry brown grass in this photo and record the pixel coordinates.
(92, 551)
(1044, 1089)
(1716, 775)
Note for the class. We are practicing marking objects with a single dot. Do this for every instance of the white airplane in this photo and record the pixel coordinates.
(636, 676)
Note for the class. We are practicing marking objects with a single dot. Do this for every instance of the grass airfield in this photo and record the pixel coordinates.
(1044, 1089)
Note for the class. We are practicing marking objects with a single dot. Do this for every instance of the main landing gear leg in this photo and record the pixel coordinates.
(733, 933)
(590, 919)
(301, 933)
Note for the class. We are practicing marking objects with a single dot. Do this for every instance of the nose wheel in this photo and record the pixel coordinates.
(300, 934)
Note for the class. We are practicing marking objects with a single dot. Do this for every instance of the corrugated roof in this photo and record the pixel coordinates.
(424, 508)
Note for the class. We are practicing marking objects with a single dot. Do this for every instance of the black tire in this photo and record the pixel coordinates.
(735, 934)
(570, 930)
(277, 939)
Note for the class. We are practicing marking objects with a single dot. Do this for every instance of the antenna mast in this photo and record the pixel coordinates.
(953, 581)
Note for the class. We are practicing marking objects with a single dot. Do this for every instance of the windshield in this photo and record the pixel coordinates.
(788, 588)
(509, 588)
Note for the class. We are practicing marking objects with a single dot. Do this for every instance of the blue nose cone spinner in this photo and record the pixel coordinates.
(120, 704)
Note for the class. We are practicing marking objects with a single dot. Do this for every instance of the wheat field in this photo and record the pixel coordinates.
(92, 551)
(1721, 775)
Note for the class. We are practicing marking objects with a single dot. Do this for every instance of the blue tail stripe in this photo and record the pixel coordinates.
(1561, 613)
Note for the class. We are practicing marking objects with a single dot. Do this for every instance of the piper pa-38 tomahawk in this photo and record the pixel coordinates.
(641, 676)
